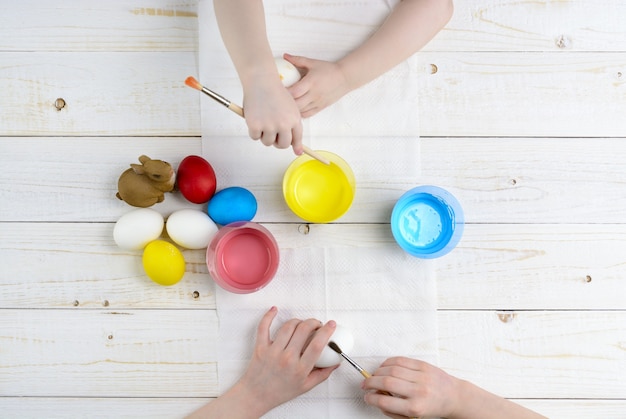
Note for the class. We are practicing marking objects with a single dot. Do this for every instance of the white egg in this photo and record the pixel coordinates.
(190, 228)
(288, 72)
(135, 229)
(344, 339)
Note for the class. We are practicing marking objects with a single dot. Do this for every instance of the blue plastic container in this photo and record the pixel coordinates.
(427, 222)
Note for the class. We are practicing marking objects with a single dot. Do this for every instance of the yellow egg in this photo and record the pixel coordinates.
(163, 262)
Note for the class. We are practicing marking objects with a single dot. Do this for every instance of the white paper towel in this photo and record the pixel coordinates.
(353, 273)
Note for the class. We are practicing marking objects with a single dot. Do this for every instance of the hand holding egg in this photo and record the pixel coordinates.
(288, 73)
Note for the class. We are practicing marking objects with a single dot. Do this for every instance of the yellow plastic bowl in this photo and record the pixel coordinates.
(317, 192)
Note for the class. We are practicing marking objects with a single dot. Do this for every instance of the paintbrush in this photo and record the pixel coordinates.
(195, 84)
(360, 369)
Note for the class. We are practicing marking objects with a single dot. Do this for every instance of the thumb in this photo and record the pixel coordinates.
(298, 61)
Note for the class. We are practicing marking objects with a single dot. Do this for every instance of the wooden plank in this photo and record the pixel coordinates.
(577, 409)
(115, 25)
(121, 408)
(463, 98)
(537, 354)
(511, 25)
(79, 265)
(101, 353)
(543, 266)
(171, 353)
(107, 93)
(479, 25)
(516, 266)
(534, 94)
(496, 180)
(530, 180)
(75, 179)
(53, 408)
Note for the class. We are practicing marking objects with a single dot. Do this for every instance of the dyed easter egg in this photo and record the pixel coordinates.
(344, 339)
(195, 179)
(232, 204)
(163, 262)
(135, 229)
(190, 228)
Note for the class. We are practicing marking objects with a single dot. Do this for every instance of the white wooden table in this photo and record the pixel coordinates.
(522, 107)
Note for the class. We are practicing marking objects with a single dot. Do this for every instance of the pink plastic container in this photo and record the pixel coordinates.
(242, 257)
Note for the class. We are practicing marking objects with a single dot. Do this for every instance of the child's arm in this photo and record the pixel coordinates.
(407, 29)
(270, 111)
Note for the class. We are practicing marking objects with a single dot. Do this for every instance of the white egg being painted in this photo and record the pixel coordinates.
(344, 339)
(289, 74)
(135, 229)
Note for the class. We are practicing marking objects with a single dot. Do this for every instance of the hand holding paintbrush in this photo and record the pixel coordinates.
(193, 83)
(360, 369)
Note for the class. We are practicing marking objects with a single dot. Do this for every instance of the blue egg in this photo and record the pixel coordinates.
(232, 204)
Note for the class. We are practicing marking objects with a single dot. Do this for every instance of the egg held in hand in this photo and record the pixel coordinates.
(344, 339)
(135, 229)
(196, 179)
(163, 262)
(288, 73)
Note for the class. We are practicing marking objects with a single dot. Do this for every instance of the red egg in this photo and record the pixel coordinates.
(196, 179)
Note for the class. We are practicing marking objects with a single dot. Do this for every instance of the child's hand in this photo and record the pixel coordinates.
(323, 84)
(283, 368)
(421, 389)
(271, 114)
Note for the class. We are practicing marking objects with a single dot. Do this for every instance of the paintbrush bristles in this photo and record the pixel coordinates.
(335, 347)
(193, 83)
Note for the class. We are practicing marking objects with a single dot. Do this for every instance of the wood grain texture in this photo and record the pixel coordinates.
(531, 94)
(478, 25)
(507, 266)
(463, 98)
(496, 180)
(543, 25)
(566, 409)
(541, 266)
(75, 179)
(537, 354)
(521, 110)
(102, 353)
(79, 265)
(171, 353)
(530, 180)
(105, 93)
(101, 408)
(131, 408)
(115, 25)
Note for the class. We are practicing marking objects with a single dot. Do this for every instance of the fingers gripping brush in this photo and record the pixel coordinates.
(195, 84)
(360, 369)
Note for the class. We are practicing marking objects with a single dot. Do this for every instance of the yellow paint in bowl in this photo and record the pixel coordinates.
(317, 192)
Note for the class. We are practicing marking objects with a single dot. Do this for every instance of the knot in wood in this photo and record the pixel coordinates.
(59, 104)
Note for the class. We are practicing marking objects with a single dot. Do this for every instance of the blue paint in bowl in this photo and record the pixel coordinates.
(427, 222)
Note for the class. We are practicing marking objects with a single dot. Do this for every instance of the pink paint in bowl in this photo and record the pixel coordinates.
(242, 257)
